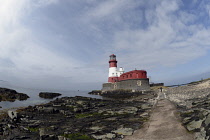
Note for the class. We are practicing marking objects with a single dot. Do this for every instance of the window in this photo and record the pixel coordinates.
(115, 86)
(139, 83)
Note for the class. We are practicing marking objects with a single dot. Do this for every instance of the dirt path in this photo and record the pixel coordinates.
(163, 125)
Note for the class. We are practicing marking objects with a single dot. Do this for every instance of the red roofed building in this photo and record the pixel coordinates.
(135, 80)
(135, 74)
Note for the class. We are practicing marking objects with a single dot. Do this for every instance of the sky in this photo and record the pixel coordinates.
(65, 44)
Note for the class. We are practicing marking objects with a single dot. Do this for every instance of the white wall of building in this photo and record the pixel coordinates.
(121, 71)
(113, 72)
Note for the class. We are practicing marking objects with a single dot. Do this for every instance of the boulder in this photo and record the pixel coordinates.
(124, 131)
(48, 95)
(12, 114)
(207, 121)
(194, 125)
(131, 110)
(105, 137)
(201, 135)
(96, 128)
(146, 106)
(186, 120)
(49, 110)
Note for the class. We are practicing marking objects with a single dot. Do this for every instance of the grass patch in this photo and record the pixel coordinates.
(77, 136)
(33, 129)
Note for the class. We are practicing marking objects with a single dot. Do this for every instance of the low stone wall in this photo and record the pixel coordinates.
(124, 94)
(132, 84)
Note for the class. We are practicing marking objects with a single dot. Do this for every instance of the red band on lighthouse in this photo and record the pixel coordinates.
(112, 63)
(113, 72)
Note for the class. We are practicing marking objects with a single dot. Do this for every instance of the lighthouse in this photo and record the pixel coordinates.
(135, 80)
(114, 74)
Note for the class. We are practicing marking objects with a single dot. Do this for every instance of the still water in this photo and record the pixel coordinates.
(35, 99)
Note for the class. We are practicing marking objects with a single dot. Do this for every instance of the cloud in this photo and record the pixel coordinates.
(107, 8)
(207, 7)
(50, 39)
(22, 55)
(166, 36)
(46, 2)
(12, 33)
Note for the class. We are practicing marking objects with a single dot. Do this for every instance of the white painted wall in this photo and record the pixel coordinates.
(121, 71)
(113, 72)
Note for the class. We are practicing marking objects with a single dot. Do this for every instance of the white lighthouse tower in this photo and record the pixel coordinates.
(114, 74)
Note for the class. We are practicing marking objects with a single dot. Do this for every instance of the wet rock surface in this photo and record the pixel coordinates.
(76, 118)
(11, 95)
(49, 95)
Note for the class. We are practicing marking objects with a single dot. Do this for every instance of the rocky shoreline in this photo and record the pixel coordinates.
(193, 103)
(11, 95)
(77, 118)
(87, 118)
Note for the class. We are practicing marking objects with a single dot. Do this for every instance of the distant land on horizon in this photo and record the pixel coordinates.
(177, 81)
(185, 80)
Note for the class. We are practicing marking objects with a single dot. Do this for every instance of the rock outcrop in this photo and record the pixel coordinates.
(95, 92)
(193, 103)
(11, 95)
(49, 95)
(76, 118)
(196, 118)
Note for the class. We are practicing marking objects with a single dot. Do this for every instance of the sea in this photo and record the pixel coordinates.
(35, 99)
